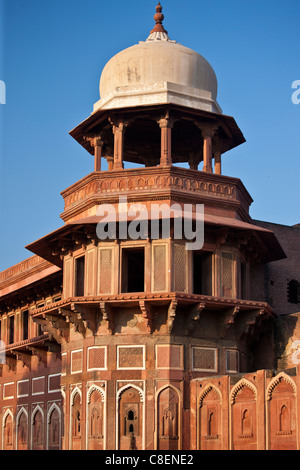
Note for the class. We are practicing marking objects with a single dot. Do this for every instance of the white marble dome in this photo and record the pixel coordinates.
(158, 71)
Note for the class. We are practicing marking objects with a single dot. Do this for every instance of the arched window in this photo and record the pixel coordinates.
(284, 424)
(246, 422)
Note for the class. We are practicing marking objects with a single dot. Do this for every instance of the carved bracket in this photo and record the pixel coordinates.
(228, 319)
(107, 316)
(147, 313)
(171, 315)
(56, 327)
(193, 317)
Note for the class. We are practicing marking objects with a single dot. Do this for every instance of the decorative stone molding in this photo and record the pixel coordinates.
(276, 381)
(241, 384)
(131, 385)
(95, 388)
(206, 391)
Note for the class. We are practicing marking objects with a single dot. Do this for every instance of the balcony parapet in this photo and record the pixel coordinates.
(153, 184)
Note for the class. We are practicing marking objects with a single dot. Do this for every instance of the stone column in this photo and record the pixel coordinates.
(207, 135)
(218, 167)
(119, 128)
(97, 144)
(110, 161)
(166, 126)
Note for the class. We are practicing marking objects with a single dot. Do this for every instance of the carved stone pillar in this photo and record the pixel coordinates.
(97, 144)
(207, 135)
(166, 126)
(110, 161)
(218, 166)
(194, 159)
(119, 128)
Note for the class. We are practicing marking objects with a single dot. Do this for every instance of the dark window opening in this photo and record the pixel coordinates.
(133, 270)
(202, 273)
(293, 292)
(25, 320)
(79, 276)
(11, 330)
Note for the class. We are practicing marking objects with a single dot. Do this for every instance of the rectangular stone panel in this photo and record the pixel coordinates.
(130, 357)
(76, 361)
(204, 359)
(8, 390)
(169, 356)
(105, 270)
(232, 360)
(159, 268)
(96, 358)
(22, 388)
(179, 270)
(38, 385)
(54, 383)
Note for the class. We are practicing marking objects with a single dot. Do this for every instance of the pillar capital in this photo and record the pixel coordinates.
(207, 130)
(166, 121)
(118, 124)
(96, 143)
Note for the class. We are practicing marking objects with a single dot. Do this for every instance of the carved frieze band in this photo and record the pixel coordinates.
(110, 186)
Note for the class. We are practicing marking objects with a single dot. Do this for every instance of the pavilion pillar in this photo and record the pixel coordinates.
(98, 147)
(207, 150)
(96, 143)
(218, 166)
(119, 128)
(110, 161)
(166, 126)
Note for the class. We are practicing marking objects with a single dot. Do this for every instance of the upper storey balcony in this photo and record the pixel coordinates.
(159, 138)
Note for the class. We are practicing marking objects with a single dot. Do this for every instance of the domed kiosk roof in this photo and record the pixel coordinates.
(158, 71)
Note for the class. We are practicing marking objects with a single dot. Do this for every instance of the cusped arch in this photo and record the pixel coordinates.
(241, 384)
(73, 395)
(207, 389)
(164, 387)
(35, 411)
(7, 413)
(126, 387)
(22, 410)
(276, 381)
(52, 408)
(95, 388)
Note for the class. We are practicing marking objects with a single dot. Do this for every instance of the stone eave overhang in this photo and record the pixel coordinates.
(99, 118)
(133, 299)
(25, 274)
(63, 239)
(87, 312)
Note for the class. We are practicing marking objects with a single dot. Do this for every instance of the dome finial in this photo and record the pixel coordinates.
(158, 17)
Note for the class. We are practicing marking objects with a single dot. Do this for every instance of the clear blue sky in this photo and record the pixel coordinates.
(52, 54)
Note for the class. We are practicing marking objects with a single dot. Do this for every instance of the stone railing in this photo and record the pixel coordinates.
(151, 183)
